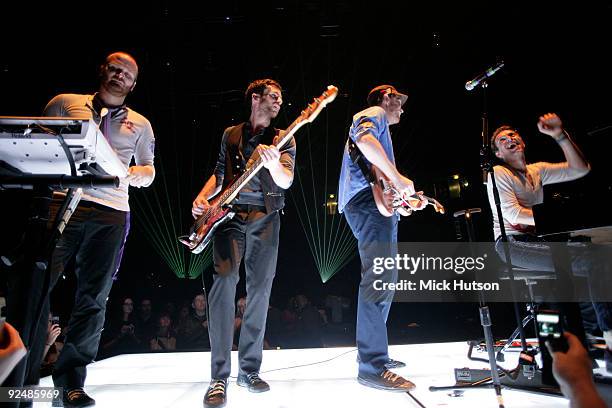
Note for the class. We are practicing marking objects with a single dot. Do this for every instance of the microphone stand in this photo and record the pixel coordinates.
(486, 164)
(485, 315)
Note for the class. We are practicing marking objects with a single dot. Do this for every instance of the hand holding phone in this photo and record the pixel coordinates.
(550, 329)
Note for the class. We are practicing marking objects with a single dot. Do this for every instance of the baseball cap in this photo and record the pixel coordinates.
(381, 89)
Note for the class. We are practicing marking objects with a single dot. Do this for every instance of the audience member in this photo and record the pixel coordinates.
(193, 334)
(274, 328)
(289, 315)
(120, 337)
(309, 324)
(573, 371)
(145, 322)
(336, 305)
(183, 315)
(170, 309)
(164, 339)
(53, 346)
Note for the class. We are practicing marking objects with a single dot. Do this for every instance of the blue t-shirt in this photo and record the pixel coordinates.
(372, 120)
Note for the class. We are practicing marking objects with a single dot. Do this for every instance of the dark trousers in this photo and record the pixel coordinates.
(95, 235)
(377, 237)
(27, 285)
(533, 253)
(253, 235)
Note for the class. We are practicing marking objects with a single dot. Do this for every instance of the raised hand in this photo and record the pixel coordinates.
(550, 124)
(54, 332)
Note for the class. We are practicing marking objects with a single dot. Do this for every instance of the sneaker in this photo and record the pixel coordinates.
(390, 364)
(394, 364)
(253, 382)
(608, 360)
(75, 397)
(216, 394)
(387, 381)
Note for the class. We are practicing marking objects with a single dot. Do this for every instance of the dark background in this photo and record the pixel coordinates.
(196, 61)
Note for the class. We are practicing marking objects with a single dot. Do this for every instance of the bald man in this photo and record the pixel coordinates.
(98, 228)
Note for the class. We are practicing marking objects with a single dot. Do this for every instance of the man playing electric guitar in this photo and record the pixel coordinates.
(376, 233)
(252, 233)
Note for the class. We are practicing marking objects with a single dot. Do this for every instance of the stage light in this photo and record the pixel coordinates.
(329, 238)
(331, 204)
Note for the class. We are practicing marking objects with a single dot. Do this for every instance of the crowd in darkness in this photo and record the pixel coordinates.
(140, 325)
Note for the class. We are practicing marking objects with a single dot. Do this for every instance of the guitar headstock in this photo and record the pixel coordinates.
(316, 106)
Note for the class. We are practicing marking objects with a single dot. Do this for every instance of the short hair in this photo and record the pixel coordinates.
(258, 87)
(375, 99)
(500, 129)
(123, 54)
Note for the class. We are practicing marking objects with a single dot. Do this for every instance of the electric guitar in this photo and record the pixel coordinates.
(389, 200)
(220, 209)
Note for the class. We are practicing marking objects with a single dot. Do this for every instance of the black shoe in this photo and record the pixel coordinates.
(75, 397)
(253, 382)
(608, 360)
(216, 394)
(387, 381)
(394, 364)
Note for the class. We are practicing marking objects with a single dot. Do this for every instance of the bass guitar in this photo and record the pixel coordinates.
(220, 209)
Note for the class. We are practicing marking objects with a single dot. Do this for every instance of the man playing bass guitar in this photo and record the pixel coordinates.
(252, 234)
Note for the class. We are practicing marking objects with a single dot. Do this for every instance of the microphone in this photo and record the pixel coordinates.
(469, 85)
(103, 113)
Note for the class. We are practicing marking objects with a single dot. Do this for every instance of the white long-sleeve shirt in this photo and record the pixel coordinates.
(516, 192)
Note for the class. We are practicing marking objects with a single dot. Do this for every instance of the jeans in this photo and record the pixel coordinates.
(376, 237)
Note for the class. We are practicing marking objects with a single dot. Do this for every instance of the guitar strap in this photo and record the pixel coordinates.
(359, 159)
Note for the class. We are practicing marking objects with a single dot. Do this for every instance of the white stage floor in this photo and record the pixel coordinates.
(180, 380)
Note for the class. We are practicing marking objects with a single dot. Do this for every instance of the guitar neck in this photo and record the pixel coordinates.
(307, 115)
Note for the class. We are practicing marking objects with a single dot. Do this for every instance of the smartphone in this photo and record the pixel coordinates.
(55, 320)
(549, 325)
(550, 328)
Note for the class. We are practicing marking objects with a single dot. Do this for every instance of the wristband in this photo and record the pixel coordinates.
(562, 137)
